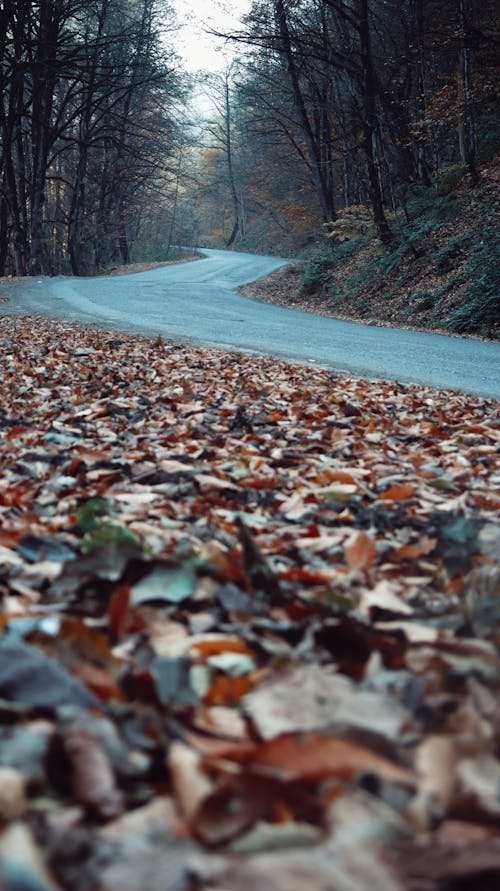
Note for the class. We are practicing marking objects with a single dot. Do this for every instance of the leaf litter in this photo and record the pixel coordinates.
(249, 623)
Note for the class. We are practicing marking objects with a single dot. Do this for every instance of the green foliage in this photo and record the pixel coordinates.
(435, 209)
(488, 137)
(468, 262)
(92, 513)
(448, 256)
(421, 300)
(449, 178)
(319, 266)
(426, 214)
(100, 531)
(317, 273)
(108, 536)
(348, 249)
(481, 313)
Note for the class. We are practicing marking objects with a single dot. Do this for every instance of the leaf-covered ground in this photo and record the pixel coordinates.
(249, 623)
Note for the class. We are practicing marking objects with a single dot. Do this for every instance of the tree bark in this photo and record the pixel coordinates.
(320, 175)
(369, 124)
(44, 81)
(467, 125)
(230, 167)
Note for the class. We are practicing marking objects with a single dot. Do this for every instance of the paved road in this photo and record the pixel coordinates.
(195, 302)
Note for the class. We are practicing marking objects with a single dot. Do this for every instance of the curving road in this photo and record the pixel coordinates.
(196, 302)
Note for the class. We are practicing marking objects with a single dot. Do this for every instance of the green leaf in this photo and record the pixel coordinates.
(92, 512)
(443, 484)
(173, 683)
(172, 584)
(108, 535)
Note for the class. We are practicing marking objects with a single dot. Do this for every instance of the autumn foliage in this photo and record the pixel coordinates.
(249, 622)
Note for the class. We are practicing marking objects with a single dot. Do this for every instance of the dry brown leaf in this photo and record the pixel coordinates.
(191, 785)
(360, 551)
(311, 697)
(92, 776)
(13, 798)
(435, 763)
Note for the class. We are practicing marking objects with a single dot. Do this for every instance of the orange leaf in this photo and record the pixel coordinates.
(413, 551)
(227, 690)
(241, 801)
(213, 647)
(360, 551)
(327, 476)
(398, 493)
(311, 757)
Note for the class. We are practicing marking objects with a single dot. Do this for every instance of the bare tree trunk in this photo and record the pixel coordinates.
(44, 81)
(230, 166)
(325, 194)
(369, 124)
(173, 218)
(466, 127)
(81, 252)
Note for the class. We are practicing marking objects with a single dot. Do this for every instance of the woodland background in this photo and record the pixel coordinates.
(341, 129)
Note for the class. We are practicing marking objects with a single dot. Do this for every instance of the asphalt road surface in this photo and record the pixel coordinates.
(196, 303)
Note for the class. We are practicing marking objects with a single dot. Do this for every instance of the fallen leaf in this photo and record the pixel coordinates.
(27, 675)
(310, 697)
(171, 584)
(240, 801)
(311, 757)
(191, 785)
(13, 799)
(360, 551)
(92, 777)
(435, 762)
(398, 493)
(21, 860)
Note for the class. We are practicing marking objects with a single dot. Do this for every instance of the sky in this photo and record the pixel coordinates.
(199, 50)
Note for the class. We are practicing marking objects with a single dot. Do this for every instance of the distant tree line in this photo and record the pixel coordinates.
(342, 103)
(88, 130)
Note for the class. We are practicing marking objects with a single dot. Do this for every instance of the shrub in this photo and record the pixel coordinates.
(316, 274)
(481, 312)
(449, 178)
(319, 267)
(488, 137)
(421, 300)
(446, 258)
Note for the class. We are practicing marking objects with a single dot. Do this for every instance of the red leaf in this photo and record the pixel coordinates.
(118, 612)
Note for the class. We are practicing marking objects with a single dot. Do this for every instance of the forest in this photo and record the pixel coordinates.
(334, 119)
(88, 130)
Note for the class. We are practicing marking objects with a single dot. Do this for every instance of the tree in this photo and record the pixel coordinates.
(364, 93)
(86, 121)
(221, 130)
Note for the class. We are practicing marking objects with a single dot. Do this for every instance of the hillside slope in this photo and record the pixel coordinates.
(441, 275)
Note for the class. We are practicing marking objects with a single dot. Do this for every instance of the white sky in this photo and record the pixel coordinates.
(200, 51)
